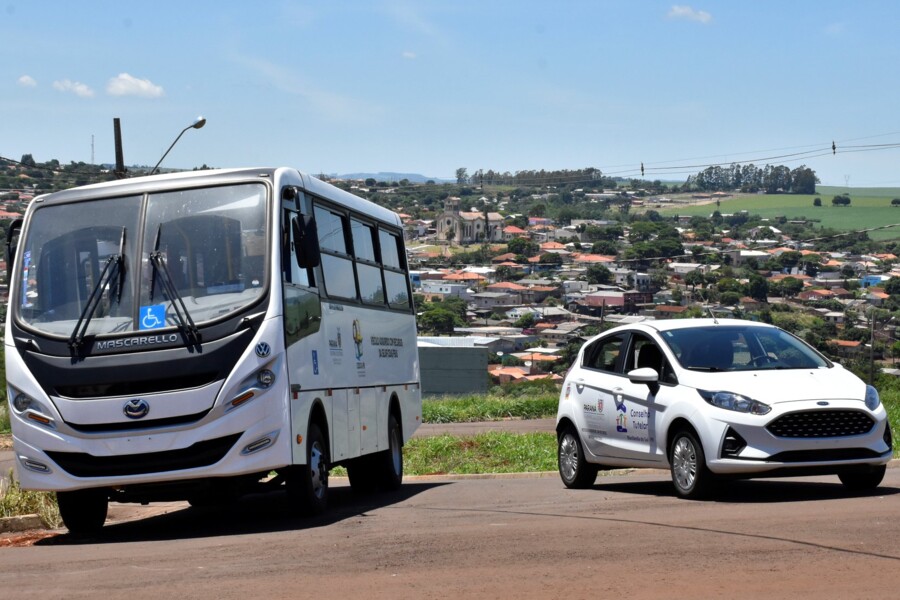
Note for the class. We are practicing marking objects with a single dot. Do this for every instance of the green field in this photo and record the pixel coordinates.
(869, 208)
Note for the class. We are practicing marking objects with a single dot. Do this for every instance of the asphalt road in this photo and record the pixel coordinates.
(528, 537)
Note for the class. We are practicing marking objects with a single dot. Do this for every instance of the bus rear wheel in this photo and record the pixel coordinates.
(383, 470)
(83, 511)
(307, 485)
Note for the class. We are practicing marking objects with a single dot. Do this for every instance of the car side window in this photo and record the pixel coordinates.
(603, 354)
(645, 353)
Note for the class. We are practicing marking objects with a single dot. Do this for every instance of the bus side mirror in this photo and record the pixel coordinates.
(12, 242)
(306, 241)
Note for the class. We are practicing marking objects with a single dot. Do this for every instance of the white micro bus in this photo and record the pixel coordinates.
(184, 336)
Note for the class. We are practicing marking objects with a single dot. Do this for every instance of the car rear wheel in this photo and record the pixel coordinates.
(690, 474)
(864, 479)
(574, 470)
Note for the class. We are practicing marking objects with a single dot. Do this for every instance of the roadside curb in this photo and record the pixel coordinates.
(20, 523)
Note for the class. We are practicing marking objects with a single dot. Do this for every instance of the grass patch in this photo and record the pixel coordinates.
(4, 417)
(493, 452)
(890, 397)
(868, 208)
(14, 501)
(535, 400)
(485, 408)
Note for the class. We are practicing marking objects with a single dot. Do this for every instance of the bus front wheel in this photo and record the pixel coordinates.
(83, 511)
(308, 484)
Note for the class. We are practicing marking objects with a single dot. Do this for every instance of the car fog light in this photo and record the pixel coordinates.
(733, 443)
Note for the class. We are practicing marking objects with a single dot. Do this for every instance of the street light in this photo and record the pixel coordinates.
(197, 124)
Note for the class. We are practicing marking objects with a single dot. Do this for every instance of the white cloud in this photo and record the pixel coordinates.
(125, 85)
(409, 55)
(27, 81)
(688, 13)
(79, 89)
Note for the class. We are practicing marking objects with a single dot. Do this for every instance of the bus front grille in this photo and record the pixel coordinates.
(201, 454)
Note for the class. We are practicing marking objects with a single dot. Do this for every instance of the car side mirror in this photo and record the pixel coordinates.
(645, 375)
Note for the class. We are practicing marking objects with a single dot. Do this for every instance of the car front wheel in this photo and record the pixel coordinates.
(864, 479)
(574, 470)
(690, 474)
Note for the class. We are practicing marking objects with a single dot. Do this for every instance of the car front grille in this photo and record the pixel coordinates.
(821, 424)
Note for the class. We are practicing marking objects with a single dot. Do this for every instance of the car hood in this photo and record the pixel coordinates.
(786, 385)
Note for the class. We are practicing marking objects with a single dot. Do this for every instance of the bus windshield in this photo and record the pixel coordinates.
(200, 250)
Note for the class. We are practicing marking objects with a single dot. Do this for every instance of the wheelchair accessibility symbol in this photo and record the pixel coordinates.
(153, 317)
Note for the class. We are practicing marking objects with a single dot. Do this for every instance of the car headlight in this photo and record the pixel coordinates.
(735, 402)
(873, 401)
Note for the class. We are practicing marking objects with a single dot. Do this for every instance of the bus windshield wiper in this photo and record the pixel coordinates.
(113, 276)
(170, 291)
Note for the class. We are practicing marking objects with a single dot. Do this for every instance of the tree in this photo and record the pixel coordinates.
(550, 258)
(598, 274)
(791, 286)
(817, 202)
(526, 321)
(841, 200)
(522, 246)
(895, 202)
(758, 288)
(438, 320)
(462, 176)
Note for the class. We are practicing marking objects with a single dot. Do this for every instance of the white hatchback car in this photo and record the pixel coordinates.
(710, 398)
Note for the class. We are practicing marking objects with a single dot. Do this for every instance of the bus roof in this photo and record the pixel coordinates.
(169, 181)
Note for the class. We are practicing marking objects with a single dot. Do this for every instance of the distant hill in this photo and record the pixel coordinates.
(382, 176)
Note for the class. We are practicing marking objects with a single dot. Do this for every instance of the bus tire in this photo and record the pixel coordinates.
(83, 511)
(307, 485)
(382, 470)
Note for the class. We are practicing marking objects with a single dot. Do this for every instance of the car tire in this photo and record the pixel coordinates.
(691, 476)
(574, 470)
(83, 512)
(863, 479)
(307, 485)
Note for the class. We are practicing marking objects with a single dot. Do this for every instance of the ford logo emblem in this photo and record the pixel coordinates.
(136, 409)
(822, 403)
(263, 349)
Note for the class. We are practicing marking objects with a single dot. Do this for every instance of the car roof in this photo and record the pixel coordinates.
(661, 325)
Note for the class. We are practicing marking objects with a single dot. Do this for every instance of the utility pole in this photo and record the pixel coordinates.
(120, 160)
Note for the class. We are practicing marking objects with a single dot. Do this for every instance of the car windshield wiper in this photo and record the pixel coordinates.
(112, 275)
(170, 291)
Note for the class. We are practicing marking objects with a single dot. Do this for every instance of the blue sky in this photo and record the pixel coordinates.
(428, 87)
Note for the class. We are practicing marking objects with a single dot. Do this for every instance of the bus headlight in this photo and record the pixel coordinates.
(30, 408)
(21, 403)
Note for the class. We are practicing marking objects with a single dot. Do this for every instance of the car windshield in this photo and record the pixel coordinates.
(211, 241)
(740, 348)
